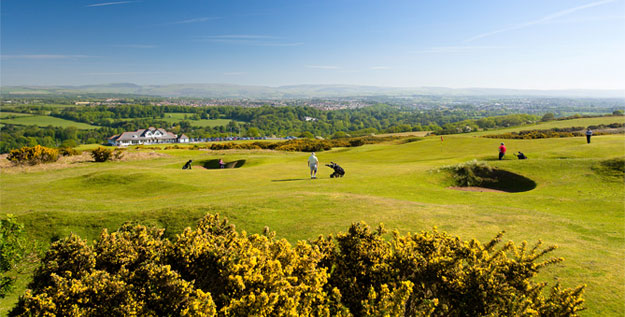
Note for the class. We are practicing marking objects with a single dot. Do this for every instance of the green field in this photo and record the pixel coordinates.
(44, 121)
(574, 205)
(13, 114)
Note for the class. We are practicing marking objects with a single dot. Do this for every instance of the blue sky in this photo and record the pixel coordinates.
(497, 44)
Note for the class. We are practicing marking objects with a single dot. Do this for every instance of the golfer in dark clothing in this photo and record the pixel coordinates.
(502, 151)
(588, 135)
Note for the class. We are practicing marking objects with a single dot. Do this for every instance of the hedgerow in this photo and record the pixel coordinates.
(33, 155)
(214, 270)
(301, 145)
(555, 132)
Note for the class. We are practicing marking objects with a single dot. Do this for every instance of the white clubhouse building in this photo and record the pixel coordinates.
(150, 135)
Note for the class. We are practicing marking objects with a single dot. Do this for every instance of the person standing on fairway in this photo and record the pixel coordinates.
(588, 135)
(502, 151)
(313, 162)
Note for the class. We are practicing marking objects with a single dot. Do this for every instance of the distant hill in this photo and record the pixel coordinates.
(298, 91)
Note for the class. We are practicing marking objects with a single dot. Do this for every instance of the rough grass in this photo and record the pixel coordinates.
(44, 121)
(573, 205)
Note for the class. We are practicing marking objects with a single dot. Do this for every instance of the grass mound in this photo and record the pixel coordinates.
(214, 164)
(108, 179)
(480, 174)
(613, 167)
(136, 183)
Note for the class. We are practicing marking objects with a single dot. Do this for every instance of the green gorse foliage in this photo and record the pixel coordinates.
(11, 250)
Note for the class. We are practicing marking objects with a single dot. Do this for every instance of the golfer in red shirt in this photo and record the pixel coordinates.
(502, 151)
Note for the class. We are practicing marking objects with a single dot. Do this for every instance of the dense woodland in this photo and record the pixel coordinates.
(245, 121)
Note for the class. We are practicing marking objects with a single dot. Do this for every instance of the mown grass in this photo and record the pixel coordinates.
(573, 205)
(44, 121)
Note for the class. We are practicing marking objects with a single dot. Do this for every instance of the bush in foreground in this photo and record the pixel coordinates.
(216, 270)
(33, 155)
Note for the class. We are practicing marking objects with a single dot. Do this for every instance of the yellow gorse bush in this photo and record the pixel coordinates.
(33, 155)
(214, 270)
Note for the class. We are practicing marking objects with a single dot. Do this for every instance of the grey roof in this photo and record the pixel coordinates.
(140, 135)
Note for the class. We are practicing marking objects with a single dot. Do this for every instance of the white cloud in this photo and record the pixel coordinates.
(125, 73)
(458, 49)
(108, 3)
(542, 20)
(193, 20)
(249, 39)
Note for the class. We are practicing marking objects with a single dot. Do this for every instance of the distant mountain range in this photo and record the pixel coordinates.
(298, 91)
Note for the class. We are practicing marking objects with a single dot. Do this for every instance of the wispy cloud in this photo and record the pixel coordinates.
(458, 49)
(135, 46)
(322, 67)
(542, 20)
(379, 68)
(43, 56)
(125, 73)
(193, 20)
(102, 4)
(249, 39)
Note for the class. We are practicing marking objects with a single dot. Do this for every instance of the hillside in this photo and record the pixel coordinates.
(220, 90)
(574, 205)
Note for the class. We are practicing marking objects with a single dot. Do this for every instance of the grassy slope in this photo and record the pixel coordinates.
(582, 122)
(572, 206)
(44, 121)
(13, 114)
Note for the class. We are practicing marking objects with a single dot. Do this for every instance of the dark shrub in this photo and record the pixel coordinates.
(101, 154)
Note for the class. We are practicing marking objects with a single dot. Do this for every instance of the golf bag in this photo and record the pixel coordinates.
(187, 166)
(338, 171)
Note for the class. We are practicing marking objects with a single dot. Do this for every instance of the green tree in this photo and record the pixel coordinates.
(548, 117)
(252, 132)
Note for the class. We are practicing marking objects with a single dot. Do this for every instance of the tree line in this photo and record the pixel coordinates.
(247, 121)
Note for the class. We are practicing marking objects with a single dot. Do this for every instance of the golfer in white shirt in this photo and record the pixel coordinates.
(313, 162)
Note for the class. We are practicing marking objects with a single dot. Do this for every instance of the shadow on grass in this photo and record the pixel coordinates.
(480, 174)
(289, 179)
(214, 164)
(505, 181)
